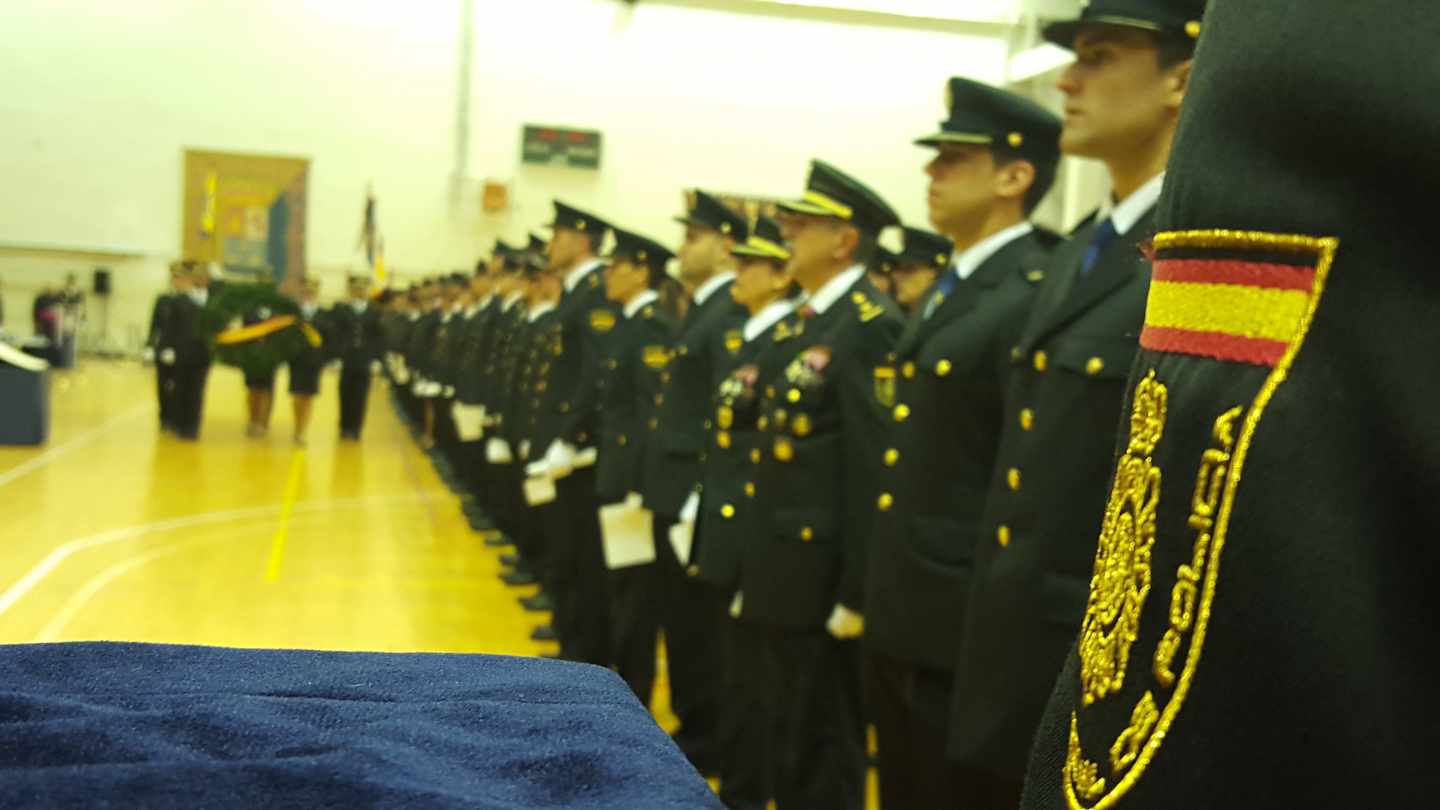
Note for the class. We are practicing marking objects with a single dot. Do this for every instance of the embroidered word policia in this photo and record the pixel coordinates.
(1260, 618)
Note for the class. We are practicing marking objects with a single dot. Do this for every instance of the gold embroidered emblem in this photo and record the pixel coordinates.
(885, 385)
(1122, 564)
(734, 339)
(1144, 700)
(602, 320)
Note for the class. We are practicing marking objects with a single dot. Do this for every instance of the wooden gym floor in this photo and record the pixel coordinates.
(115, 531)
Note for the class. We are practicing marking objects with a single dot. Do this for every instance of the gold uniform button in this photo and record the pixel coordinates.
(623, 441)
(564, 407)
(892, 457)
(693, 570)
(885, 501)
(722, 440)
(756, 455)
(784, 451)
(654, 423)
(770, 391)
(801, 426)
(909, 371)
(749, 489)
(1027, 419)
(902, 412)
(613, 364)
(1042, 361)
(763, 422)
(1003, 536)
(1095, 366)
(709, 424)
(793, 395)
(659, 399)
(1016, 354)
(943, 368)
(807, 534)
(665, 377)
(727, 511)
(1013, 479)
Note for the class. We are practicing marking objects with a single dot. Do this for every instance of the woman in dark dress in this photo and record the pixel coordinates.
(259, 384)
(305, 367)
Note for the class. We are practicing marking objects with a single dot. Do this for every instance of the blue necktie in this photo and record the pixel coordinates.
(943, 287)
(1101, 239)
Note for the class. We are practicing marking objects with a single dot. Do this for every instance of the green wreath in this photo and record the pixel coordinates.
(255, 328)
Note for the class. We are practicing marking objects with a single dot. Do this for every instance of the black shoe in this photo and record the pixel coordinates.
(545, 632)
(539, 603)
(498, 540)
(512, 560)
(517, 579)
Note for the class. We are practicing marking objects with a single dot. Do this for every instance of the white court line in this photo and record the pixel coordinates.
(81, 598)
(54, 559)
(75, 443)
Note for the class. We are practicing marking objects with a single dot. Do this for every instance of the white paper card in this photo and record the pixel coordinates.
(539, 491)
(626, 531)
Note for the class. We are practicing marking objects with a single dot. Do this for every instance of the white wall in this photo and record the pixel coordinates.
(101, 99)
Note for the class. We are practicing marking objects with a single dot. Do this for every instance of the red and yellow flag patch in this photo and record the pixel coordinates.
(1231, 296)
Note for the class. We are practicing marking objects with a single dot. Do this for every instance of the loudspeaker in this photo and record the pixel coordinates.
(102, 281)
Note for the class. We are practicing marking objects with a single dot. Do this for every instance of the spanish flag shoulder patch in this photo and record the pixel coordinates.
(1237, 297)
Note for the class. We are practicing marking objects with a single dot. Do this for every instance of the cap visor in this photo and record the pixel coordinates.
(1063, 33)
(939, 139)
(802, 207)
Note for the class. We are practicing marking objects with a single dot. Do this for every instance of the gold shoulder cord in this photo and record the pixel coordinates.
(1119, 586)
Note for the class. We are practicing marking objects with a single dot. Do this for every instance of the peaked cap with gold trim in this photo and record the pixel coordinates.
(981, 114)
(832, 193)
(1169, 18)
(709, 212)
(765, 242)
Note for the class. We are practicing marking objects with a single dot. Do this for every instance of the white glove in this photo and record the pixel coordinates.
(432, 389)
(497, 451)
(845, 624)
(524, 448)
(449, 391)
(417, 387)
(167, 356)
(691, 507)
(635, 500)
(736, 605)
(561, 458)
(148, 356)
(375, 367)
(538, 469)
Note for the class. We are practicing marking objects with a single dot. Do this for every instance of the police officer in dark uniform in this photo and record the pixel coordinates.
(691, 610)
(565, 437)
(918, 266)
(727, 516)
(637, 354)
(161, 323)
(355, 326)
(996, 159)
(1263, 635)
(186, 350)
(803, 577)
(1034, 550)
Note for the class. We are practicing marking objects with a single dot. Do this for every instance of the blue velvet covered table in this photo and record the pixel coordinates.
(157, 726)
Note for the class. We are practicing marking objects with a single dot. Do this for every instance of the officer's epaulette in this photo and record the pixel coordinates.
(868, 310)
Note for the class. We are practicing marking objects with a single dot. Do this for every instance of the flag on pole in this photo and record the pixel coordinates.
(369, 229)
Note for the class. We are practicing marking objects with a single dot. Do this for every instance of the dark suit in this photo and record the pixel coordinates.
(192, 364)
(566, 410)
(825, 430)
(692, 610)
(729, 517)
(161, 323)
(1035, 550)
(638, 353)
(950, 371)
(358, 341)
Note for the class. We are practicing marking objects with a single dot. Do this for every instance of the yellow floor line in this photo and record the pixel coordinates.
(292, 492)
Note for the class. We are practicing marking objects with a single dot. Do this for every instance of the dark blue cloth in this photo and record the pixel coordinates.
(156, 726)
(1101, 239)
